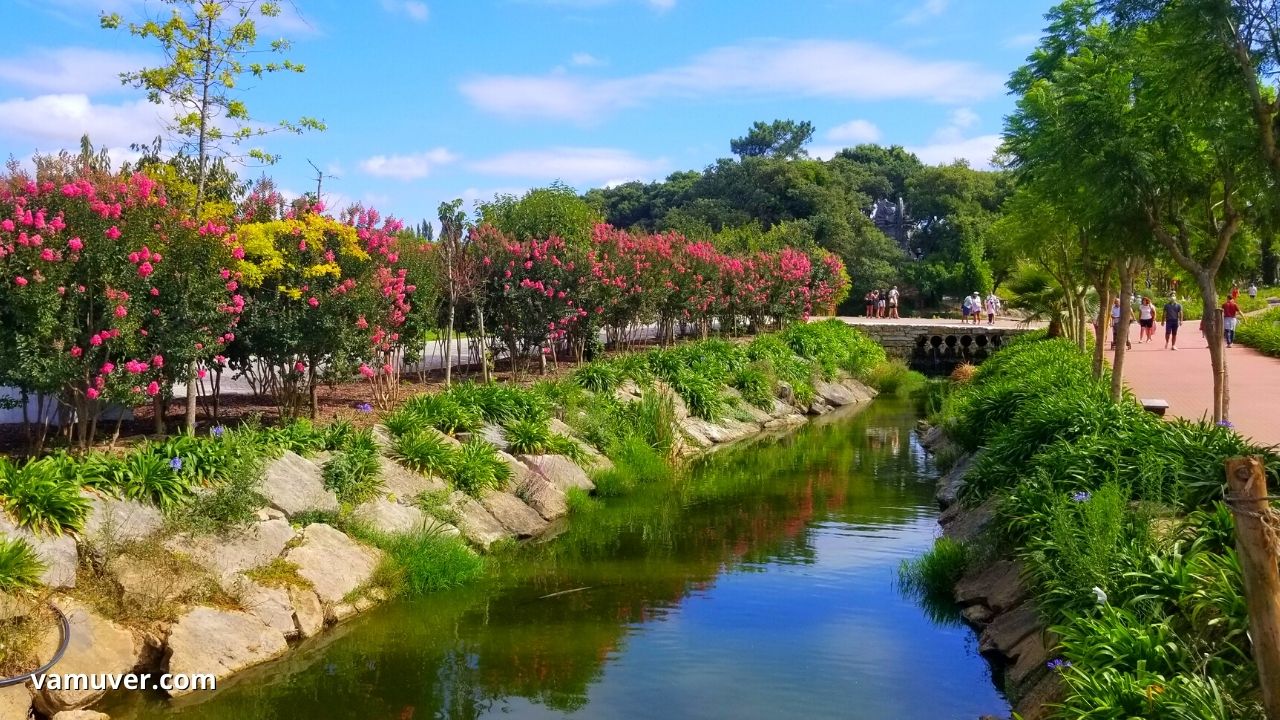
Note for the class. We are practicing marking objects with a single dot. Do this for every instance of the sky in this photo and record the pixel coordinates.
(430, 100)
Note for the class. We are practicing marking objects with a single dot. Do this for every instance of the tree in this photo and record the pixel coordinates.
(556, 211)
(207, 45)
(784, 139)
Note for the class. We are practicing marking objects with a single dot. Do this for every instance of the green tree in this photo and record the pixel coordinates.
(542, 213)
(779, 139)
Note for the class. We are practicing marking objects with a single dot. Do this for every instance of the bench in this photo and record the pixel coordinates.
(1159, 406)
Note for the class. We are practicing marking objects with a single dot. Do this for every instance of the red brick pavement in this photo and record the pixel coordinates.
(1184, 379)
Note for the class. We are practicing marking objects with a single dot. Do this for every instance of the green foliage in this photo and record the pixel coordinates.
(528, 437)
(756, 383)
(40, 498)
(542, 213)
(579, 501)
(424, 451)
(353, 474)
(935, 573)
(1261, 332)
(598, 376)
(895, 378)
(20, 567)
(833, 345)
(635, 462)
(442, 411)
(425, 562)
(700, 393)
(230, 504)
(477, 468)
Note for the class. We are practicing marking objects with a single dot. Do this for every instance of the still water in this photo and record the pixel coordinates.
(759, 586)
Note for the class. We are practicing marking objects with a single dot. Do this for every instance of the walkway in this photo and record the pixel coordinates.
(1183, 378)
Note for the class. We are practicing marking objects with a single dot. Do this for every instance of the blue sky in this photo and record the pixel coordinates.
(427, 100)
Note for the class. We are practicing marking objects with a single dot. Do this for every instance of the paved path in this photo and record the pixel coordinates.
(1184, 379)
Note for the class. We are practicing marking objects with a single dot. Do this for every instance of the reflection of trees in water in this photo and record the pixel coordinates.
(463, 654)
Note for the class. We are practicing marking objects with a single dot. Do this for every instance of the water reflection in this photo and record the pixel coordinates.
(759, 586)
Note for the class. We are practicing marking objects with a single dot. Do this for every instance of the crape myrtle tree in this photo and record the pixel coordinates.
(209, 48)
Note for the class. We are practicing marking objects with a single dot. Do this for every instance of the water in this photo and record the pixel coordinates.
(762, 586)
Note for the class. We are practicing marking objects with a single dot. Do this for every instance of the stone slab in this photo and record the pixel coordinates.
(333, 563)
(293, 484)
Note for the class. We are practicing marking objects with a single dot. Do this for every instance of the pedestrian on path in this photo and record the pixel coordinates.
(1115, 327)
(967, 308)
(993, 307)
(1253, 291)
(893, 302)
(1172, 316)
(1230, 317)
(881, 301)
(1146, 320)
(870, 297)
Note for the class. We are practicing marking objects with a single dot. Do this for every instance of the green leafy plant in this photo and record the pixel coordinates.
(477, 468)
(20, 568)
(756, 383)
(425, 562)
(353, 474)
(598, 376)
(529, 437)
(424, 451)
(39, 497)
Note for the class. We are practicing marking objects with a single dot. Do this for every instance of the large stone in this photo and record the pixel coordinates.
(15, 703)
(725, 430)
(293, 484)
(57, 552)
(405, 484)
(514, 515)
(388, 517)
(1029, 658)
(785, 421)
(860, 392)
(220, 643)
(223, 557)
(1037, 703)
(931, 437)
(998, 586)
(559, 471)
(146, 586)
(964, 524)
(781, 409)
(543, 497)
(835, 394)
(96, 646)
(271, 605)
(592, 459)
(308, 614)
(757, 415)
(691, 438)
(949, 485)
(520, 473)
(112, 521)
(628, 391)
(382, 437)
(477, 524)
(1008, 629)
(80, 715)
(333, 563)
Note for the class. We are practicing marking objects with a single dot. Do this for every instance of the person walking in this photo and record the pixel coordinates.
(992, 307)
(1115, 326)
(1146, 320)
(1253, 291)
(1172, 316)
(1230, 318)
(893, 302)
(881, 302)
(966, 308)
(870, 297)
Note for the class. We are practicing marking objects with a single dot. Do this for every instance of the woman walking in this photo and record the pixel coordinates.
(1230, 317)
(1146, 320)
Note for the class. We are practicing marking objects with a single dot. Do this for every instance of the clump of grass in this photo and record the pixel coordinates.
(425, 562)
(20, 567)
(580, 501)
(353, 474)
(436, 504)
(229, 505)
(935, 573)
(424, 451)
(895, 378)
(963, 373)
(635, 462)
(310, 517)
(598, 376)
(528, 436)
(21, 638)
(756, 383)
(442, 411)
(40, 497)
(478, 468)
(278, 573)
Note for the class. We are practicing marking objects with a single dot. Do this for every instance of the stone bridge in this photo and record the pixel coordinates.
(937, 345)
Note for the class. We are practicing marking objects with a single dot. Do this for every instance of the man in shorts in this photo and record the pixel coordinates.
(1172, 316)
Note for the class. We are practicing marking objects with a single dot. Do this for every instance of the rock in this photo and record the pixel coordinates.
(494, 435)
(405, 484)
(726, 430)
(861, 393)
(382, 437)
(785, 421)
(80, 715)
(293, 484)
(758, 416)
(519, 471)
(308, 615)
(146, 586)
(949, 484)
(97, 645)
(15, 703)
(1037, 702)
(998, 586)
(559, 470)
(57, 552)
(931, 437)
(542, 496)
(1029, 659)
(271, 605)
(781, 409)
(270, 513)
(338, 612)
(628, 391)
(1008, 629)
(333, 563)
(112, 521)
(220, 643)
(514, 515)
(835, 394)
(694, 440)
(226, 556)
(966, 524)
(388, 517)
(977, 614)
(478, 526)
(592, 460)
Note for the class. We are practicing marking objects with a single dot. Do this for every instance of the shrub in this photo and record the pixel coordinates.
(231, 504)
(477, 468)
(756, 384)
(1261, 332)
(20, 568)
(40, 498)
(895, 378)
(528, 437)
(700, 394)
(353, 474)
(936, 572)
(426, 562)
(441, 411)
(963, 373)
(599, 376)
(338, 434)
(424, 451)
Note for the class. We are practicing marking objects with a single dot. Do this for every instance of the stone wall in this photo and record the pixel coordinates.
(941, 346)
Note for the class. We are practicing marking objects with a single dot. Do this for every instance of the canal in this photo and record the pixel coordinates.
(760, 585)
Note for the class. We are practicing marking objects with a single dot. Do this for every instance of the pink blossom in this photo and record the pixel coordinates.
(108, 368)
(367, 371)
(199, 346)
(121, 311)
(113, 232)
(21, 281)
(48, 255)
(201, 373)
(92, 393)
(153, 388)
(76, 244)
(158, 361)
(299, 366)
(76, 351)
(231, 286)
(95, 340)
(155, 292)
(145, 269)
(237, 253)
(313, 302)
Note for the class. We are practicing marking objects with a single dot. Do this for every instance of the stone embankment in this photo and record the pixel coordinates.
(993, 597)
(231, 601)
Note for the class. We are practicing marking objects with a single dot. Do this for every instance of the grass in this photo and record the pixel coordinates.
(477, 468)
(353, 474)
(936, 572)
(424, 562)
(278, 573)
(895, 378)
(436, 504)
(424, 451)
(20, 568)
(40, 497)
(1262, 333)
(580, 501)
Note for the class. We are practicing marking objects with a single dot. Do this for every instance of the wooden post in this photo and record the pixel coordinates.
(1256, 544)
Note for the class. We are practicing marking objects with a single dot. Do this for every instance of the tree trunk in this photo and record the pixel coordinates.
(1127, 271)
(189, 421)
(448, 367)
(1217, 344)
(158, 407)
(1103, 285)
(1268, 255)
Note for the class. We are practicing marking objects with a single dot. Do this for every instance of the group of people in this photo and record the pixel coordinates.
(882, 303)
(1171, 316)
(973, 307)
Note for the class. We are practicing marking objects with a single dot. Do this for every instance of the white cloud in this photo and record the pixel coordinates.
(413, 166)
(584, 59)
(61, 119)
(978, 151)
(572, 164)
(964, 118)
(70, 69)
(925, 11)
(1024, 41)
(413, 9)
(855, 131)
(794, 68)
